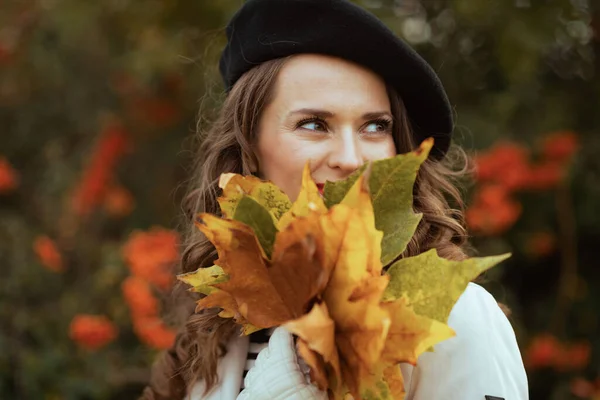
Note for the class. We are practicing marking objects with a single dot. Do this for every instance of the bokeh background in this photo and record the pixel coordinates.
(99, 100)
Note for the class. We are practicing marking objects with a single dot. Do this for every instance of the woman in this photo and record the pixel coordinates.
(325, 80)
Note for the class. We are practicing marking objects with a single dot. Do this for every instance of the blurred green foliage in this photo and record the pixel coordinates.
(514, 70)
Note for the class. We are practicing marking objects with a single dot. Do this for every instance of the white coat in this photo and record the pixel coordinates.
(482, 360)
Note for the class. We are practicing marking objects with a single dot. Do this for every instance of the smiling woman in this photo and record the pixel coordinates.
(338, 94)
(330, 111)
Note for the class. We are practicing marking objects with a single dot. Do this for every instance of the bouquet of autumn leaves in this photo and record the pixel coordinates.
(323, 267)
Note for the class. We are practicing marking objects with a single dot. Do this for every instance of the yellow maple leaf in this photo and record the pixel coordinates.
(410, 334)
(434, 284)
(358, 198)
(395, 381)
(309, 199)
(203, 279)
(317, 331)
(267, 194)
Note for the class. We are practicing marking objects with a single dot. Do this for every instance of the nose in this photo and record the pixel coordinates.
(345, 156)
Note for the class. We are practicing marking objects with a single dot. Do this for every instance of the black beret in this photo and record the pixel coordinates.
(263, 30)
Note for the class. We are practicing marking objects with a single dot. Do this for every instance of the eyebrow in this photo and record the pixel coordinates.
(327, 114)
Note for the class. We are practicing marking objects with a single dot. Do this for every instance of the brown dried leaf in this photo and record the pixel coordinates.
(317, 330)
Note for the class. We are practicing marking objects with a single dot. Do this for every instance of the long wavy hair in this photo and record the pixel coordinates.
(228, 146)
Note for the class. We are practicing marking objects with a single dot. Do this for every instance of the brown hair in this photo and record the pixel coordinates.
(228, 147)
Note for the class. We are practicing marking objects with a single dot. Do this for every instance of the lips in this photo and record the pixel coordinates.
(321, 186)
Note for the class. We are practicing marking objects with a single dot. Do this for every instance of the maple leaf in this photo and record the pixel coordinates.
(265, 293)
(230, 309)
(257, 217)
(318, 370)
(434, 284)
(391, 184)
(410, 334)
(242, 259)
(264, 193)
(355, 288)
(317, 331)
(359, 198)
(395, 381)
(317, 270)
(309, 200)
(203, 279)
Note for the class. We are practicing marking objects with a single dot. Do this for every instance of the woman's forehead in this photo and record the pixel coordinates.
(309, 79)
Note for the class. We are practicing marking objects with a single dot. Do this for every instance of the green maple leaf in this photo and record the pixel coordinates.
(334, 192)
(433, 284)
(257, 217)
(391, 183)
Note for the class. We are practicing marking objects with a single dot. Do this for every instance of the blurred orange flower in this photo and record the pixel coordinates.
(583, 388)
(541, 244)
(152, 255)
(92, 331)
(547, 351)
(560, 146)
(506, 163)
(48, 254)
(93, 186)
(159, 112)
(542, 351)
(492, 211)
(545, 176)
(138, 296)
(153, 332)
(574, 356)
(119, 201)
(9, 179)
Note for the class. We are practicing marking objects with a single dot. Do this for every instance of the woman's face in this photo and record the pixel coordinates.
(329, 111)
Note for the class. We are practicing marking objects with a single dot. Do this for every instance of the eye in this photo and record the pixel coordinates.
(313, 124)
(379, 126)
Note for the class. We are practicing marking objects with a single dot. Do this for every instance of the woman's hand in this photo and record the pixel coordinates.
(277, 375)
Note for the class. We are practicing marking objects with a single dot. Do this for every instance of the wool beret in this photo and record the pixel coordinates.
(262, 30)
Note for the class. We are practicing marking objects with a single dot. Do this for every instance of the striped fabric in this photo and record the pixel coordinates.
(258, 341)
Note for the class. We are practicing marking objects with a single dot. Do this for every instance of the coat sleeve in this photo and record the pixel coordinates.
(483, 359)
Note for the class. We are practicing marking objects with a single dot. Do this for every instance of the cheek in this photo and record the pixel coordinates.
(282, 161)
(381, 150)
